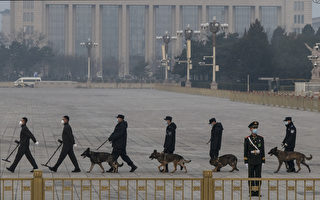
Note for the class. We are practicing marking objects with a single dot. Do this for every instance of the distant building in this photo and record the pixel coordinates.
(5, 22)
(316, 23)
(127, 29)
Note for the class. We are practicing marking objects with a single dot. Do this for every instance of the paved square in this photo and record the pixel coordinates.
(93, 111)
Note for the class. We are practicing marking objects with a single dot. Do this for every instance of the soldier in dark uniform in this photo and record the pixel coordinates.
(289, 141)
(67, 148)
(119, 143)
(170, 140)
(216, 136)
(254, 157)
(25, 136)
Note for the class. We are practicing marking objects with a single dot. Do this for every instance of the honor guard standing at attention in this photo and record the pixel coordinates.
(254, 157)
(216, 137)
(67, 148)
(289, 141)
(119, 143)
(170, 140)
(25, 136)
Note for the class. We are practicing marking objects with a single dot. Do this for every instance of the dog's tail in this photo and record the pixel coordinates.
(120, 165)
(309, 158)
(187, 161)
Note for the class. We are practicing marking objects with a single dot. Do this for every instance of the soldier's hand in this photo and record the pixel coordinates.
(247, 165)
(75, 145)
(285, 144)
(37, 143)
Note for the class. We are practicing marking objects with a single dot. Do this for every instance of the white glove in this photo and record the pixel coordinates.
(256, 151)
(247, 165)
(75, 145)
(37, 143)
(262, 164)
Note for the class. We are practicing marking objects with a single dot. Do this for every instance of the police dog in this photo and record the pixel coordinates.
(224, 160)
(99, 158)
(284, 156)
(165, 158)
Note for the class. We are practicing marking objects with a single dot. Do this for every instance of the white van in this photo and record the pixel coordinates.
(27, 81)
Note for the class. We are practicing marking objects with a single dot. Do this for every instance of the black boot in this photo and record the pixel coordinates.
(76, 170)
(11, 170)
(110, 170)
(133, 168)
(52, 169)
(33, 170)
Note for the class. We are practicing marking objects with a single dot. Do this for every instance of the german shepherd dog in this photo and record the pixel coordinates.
(284, 156)
(224, 160)
(99, 158)
(165, 158)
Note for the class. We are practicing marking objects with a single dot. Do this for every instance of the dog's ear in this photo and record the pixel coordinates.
(155, 151)
(88, 149)
(276, 148)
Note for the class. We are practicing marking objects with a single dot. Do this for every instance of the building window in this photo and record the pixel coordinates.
(110, 31)
(269, 18)
(28, 29)
(56, 27)
(28, 4)
(220, 12)
(83, 27)
(243, 16)
(298, 6)
(28, 16)
(163, 23)
(137, 34)
(299, 19)
(297, 30)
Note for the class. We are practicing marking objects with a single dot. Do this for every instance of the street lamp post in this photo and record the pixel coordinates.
(214, 27)
(166, 39)
(89, 45)
(188, 34)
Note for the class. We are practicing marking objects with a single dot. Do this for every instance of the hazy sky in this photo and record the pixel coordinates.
(315, 8)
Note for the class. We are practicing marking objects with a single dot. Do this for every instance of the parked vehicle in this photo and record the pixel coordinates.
(27, 81)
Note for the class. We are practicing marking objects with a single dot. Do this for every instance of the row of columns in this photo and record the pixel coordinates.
(124, 32)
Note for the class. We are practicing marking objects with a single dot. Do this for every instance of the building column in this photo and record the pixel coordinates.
(177, 22)
(124, 42)
(70, 28)
(150, 33)
(257, 13)
(97, 37)
(230, 19)
(204, 18)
